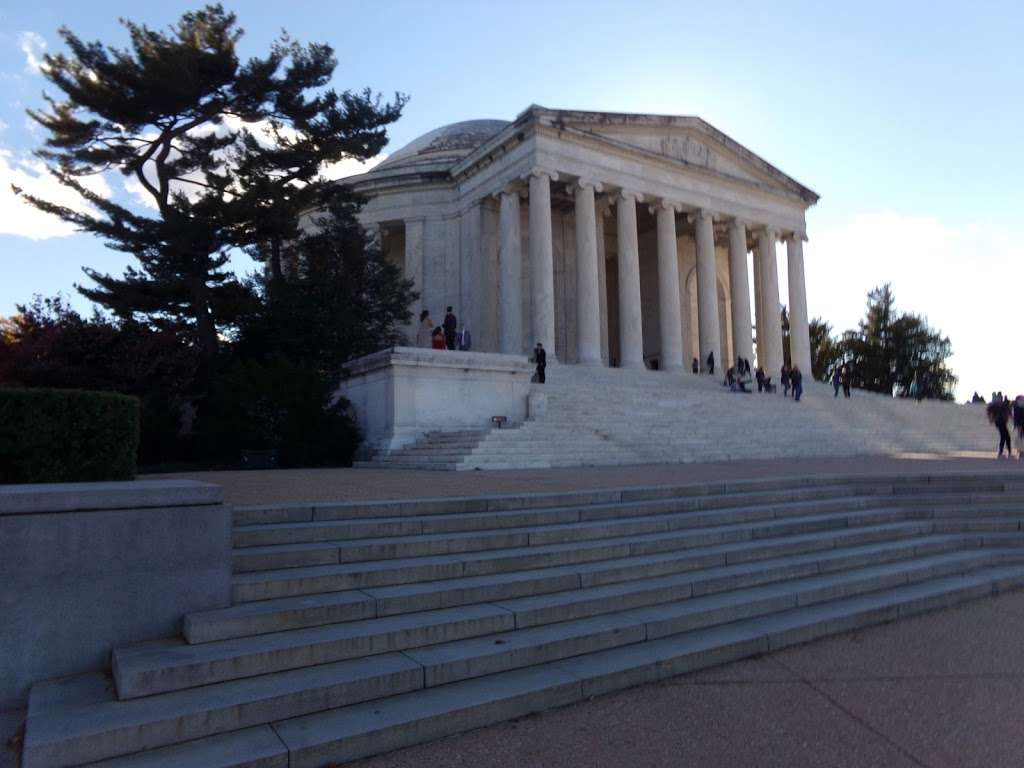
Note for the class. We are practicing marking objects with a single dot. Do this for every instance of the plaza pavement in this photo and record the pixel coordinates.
(345, 484)
(941, 690)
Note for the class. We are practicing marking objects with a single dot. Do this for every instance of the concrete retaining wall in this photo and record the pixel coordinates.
(85, 567)
(401, 393)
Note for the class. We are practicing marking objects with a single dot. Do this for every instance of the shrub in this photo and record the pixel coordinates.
(67, 435)
(275, 405)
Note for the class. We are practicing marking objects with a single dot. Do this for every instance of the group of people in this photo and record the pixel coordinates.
(1001, 412)
(449, 335)
(738, 377)
(841, 378)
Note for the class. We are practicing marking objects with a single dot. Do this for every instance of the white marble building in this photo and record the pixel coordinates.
(614, 239)
(618, 241)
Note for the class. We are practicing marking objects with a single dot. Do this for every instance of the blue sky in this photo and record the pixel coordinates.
(905, 117)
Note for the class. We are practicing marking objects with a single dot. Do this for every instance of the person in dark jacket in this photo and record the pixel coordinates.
(695, 366)
(451, 327)
(711, 363)
(784, 376)
(999, 414)
(796, 380)
(540, 357)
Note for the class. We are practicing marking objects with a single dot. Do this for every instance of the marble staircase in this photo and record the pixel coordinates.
(602, 416)
(357, 628)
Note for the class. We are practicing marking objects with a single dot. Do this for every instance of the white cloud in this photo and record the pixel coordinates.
(23, 220)
(33, 46)
(962, 277)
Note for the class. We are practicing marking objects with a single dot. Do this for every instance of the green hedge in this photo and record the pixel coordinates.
(67, 435)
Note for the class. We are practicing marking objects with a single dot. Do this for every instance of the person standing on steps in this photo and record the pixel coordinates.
(425, 333)
(711, 363)
(844, 379)
(999, 416)
(465, 341)
(451, 325)
(540, 357)
(784, 377)
(1018, 422)
(797, 380)
(835, 382)
(695, 366)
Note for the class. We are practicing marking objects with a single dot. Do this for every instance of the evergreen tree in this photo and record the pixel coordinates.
(340, 298)
(182, 116)
(889, 349)
(825, 355)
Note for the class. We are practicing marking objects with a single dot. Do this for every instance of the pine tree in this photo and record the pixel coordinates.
(179, 114)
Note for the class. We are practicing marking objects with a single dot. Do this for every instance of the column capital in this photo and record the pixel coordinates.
(768, 231)
(738, 222)
(795, 235)
(584, 183)
(514, 187)
(628, 195)
(665, 204)
(538, 171)
(703, 213)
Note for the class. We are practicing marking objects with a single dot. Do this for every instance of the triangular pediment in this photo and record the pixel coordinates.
(687, 140)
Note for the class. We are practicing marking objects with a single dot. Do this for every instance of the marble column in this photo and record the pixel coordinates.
(413, 269)
(799, 332)
(542, 266)
(602, 276)
(771, 324)
(631, 336)
(510, 258)
(707, 290)
(588, 282)
(669, 310)
(739, 290)
(758, 311)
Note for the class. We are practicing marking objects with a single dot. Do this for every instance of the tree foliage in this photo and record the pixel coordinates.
(339, 299)
(226, 153)
(824, 350)
(888, 351)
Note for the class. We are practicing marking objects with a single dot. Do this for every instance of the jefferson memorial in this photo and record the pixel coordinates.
(612, 239)
(620, 242)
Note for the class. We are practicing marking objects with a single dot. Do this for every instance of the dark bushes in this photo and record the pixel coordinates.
(67, 435)
(274, 405)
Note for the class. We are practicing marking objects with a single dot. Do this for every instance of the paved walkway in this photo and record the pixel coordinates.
(942, 690)
(312, 485)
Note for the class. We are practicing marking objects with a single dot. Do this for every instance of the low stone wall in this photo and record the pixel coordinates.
(401, 393)
(85, 567)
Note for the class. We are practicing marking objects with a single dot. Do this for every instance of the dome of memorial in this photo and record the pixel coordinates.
(448, 143)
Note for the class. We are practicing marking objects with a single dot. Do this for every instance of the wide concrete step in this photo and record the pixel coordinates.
(100, 726)
(159, 667)
(171, 665)
(281, 614)
(291, 582)
(749, 522)
(284, 513)
(349, 733)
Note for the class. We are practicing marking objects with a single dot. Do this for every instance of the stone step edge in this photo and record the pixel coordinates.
(646, 508)
(517, 559)
(196, 665)
(772, 512)
(355, 551)
(407, 681)
(363, 730)
(196, 624)
(498, 502)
